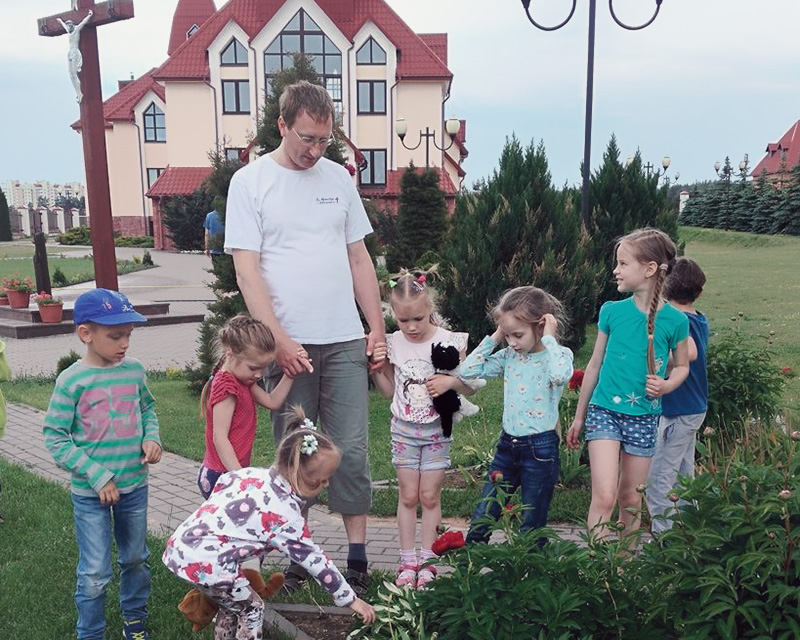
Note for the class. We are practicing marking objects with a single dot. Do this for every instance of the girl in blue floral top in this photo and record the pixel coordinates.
(535, 369)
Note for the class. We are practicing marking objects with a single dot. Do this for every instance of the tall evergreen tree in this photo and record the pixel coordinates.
(623, 198)
(5, 218)
(787, 217)
(766, 205)
(745, 206)
(421, 219)
(517, 230)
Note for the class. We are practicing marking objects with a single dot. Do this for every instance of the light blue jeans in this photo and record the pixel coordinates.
(674, 456)
(93, 530)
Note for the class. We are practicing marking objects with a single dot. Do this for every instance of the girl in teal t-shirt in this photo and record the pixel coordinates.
(620, 400)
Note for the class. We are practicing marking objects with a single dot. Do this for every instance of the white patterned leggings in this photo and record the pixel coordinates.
(240, 615)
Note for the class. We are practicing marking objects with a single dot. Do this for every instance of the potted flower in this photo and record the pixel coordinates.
(18, 291)
(50, 309)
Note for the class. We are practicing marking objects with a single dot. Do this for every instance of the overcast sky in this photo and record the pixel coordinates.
(708, 78)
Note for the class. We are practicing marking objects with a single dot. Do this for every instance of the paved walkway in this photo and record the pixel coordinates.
(181, 280)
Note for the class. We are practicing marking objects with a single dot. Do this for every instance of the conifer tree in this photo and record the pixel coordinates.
(765, 204)
(5, 218)
(787, 217)
(623, 199)
(517, 230)
(421, 219)
(745, 206)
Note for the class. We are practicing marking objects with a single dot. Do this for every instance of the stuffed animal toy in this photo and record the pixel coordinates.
(445, 359)
(199, 610)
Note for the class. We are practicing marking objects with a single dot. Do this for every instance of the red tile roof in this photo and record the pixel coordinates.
(178, 181)
(437, 42)
(788, 145)
(393, 177)
(416, 60)
(120, 106)
(187, 14)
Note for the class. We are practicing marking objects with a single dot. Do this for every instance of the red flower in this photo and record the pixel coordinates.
(448, 541)
(576, 380)
(788, 372)
(496, 476)
(350, 168)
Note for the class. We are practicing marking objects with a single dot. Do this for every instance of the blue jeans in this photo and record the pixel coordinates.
(93, 524)
(529, 462)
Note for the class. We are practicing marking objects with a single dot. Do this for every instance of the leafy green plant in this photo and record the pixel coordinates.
(76, 236)
(743, 380)
(58, 278)
(134, 241)
(147, 259)
(730, 569)
(574, 472)
(67, 361)
(397, 617)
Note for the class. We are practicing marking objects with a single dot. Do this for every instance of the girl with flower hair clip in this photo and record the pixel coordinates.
(620, 398)
(250, 512)
(420, 450)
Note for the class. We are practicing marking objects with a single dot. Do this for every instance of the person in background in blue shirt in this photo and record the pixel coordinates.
(214, 236)
(535, 369)
(683, 410)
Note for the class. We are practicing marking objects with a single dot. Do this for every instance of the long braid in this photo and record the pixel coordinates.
(658, 285)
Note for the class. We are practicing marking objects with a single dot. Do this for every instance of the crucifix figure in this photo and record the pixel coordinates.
(84, 60)
(74, 56)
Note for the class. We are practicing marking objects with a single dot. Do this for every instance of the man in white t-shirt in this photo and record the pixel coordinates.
(295, 225)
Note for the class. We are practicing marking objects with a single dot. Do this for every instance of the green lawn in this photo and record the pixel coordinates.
(758, 276)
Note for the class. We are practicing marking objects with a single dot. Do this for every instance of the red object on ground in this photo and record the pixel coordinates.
(576, 380)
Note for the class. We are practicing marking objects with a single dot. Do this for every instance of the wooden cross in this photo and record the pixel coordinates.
(93, 126)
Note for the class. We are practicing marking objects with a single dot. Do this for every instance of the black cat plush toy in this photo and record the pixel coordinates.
(445, 359)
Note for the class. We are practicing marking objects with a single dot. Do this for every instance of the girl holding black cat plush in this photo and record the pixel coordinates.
(535, 369)
(420, 449)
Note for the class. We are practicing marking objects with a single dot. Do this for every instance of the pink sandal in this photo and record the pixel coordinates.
(425, 575)
(406, 575)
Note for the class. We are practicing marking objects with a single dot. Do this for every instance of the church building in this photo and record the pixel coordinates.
(209, 95)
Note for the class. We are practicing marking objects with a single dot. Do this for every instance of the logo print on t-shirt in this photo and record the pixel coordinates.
(328, 200)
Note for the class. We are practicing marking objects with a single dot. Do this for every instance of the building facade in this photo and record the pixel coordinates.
(209, 95)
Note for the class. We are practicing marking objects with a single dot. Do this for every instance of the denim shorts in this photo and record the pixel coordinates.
(636, 433)
(421, 447)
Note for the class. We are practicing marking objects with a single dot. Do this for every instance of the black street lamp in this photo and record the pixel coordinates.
(587, 144)
(452, 127)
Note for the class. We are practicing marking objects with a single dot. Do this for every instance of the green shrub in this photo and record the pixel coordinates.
(743, 381)
(134, 241)
(67, 361)
(76, 236)
(730, 570)
(58, 278)
(147, 258)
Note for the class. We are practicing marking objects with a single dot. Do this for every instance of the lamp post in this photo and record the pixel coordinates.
(429, 135)
(587, 143)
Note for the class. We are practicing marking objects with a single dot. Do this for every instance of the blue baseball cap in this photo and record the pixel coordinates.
(106, 307)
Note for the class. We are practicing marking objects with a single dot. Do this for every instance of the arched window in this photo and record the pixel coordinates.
(303, 35)
(234, 55)
(371, 53)
(155, 126)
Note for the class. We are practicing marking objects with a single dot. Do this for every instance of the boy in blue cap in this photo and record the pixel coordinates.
(101, 425)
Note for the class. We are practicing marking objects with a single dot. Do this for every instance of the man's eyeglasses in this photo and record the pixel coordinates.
(310, 141)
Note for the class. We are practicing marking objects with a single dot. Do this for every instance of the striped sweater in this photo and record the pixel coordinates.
(96, 423)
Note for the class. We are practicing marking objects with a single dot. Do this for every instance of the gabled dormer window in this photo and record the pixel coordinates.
(155, 126)
(234, 55)
(371, 53)
(192, 30)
